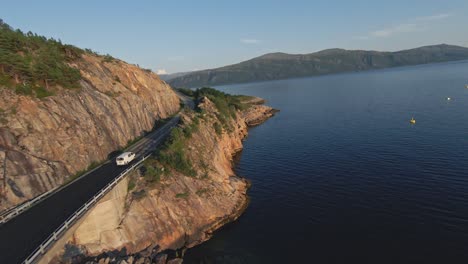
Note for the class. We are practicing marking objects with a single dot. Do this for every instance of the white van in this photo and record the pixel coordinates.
(125, 158)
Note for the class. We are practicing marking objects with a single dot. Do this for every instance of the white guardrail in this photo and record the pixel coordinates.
(12, 212)
(16, 210)
(39, 251)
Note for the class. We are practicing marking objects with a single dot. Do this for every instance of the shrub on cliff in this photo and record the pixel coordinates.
(173, 155)
(187, 92)
(153, 174)
(226, 104)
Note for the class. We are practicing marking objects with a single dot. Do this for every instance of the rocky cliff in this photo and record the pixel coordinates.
(44, 141)
(169, 208)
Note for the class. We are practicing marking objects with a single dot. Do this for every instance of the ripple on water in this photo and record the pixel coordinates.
(340, 176)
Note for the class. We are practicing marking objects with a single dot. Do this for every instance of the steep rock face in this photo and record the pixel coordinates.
(42, 142)
(179, 211)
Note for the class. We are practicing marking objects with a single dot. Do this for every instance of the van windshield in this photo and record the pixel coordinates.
(120, 159)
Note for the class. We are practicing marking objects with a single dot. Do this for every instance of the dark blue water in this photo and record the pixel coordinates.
(341, 176)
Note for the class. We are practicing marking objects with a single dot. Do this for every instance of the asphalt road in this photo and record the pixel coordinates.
(20, 236)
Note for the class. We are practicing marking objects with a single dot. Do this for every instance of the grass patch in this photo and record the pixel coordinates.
(23, 89)
(153, 174)
(201, 192)
(131, 184)
(205, 169)
(173, 155)
(5, 80)
(42, 92)
(30, 90)
(183, 195)
(108, 58)
(226, 104)
(244, 97)
(218, 128)
(187, 92)
(139, 194)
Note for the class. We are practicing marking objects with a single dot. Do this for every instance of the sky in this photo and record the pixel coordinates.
(178, 36)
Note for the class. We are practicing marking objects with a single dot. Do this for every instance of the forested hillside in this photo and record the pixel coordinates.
(33, 64)
(276, 66)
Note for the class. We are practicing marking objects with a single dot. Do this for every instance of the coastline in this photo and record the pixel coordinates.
(148, 227)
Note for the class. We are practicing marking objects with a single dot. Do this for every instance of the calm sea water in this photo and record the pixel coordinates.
(341, 176)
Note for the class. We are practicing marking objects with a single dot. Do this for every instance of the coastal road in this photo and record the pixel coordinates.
(20, 236)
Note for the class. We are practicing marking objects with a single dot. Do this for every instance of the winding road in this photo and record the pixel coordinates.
(21, 235)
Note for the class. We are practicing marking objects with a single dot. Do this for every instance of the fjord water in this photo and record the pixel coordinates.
(341, 176)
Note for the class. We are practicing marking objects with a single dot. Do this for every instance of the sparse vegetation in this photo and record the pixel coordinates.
(187, 92)
(227, 105)
(137, 195)
(153, 174)
(108, 58)
(131, 184)
(201, 192)
(205, 169)
(218, 128)
(42, 92)
(173, 155)
(24, 89)
(183, 195)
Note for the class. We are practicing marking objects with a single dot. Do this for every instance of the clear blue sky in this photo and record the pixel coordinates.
(188, 35)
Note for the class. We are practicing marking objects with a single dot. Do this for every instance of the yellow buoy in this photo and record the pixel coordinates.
(412, 121)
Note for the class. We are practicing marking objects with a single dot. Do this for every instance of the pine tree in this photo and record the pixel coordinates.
(32, 59)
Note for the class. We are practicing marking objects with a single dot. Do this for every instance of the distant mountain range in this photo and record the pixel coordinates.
(274, 66)
(170, 76)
